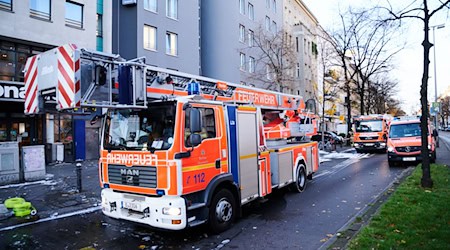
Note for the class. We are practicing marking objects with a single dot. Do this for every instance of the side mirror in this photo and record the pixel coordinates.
(195, 139)
(195, 121)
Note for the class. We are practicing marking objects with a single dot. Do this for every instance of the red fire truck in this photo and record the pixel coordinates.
(177, 150)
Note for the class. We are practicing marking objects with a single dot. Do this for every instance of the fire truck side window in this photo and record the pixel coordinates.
(208, 125)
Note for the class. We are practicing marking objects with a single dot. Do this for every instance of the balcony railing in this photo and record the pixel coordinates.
(39, 14)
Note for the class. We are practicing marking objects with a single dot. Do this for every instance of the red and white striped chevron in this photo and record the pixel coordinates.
(31, 85)
(68, 90)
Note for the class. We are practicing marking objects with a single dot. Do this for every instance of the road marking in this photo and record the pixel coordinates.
(342, 165)
(84, 211)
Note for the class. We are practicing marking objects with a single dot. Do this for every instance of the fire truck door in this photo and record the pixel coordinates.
(248, 154)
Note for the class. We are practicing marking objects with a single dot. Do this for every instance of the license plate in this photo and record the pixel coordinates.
(132, 205)
(409, 158)
(368, 144)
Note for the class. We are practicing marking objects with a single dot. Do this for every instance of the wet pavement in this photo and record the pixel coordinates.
(57, 195)
(341, 188)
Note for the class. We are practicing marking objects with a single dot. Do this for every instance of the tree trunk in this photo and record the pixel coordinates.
(426, 180)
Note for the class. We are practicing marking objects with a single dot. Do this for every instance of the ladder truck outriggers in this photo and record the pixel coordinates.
(177, 150)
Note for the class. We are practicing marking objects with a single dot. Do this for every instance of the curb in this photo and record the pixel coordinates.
(352, 227)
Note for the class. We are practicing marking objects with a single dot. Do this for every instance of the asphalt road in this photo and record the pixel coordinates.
(338, 192)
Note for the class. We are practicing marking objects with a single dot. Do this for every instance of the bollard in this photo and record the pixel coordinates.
(78, 169)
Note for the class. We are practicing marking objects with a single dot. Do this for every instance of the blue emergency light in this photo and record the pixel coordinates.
(193, 88)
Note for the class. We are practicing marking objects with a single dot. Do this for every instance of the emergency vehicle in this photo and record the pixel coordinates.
(404, 141)
(177, 150)
(370, 132)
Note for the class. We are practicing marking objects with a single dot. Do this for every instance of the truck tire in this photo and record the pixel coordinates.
(300, 179)
(391, 164)
(222, 211)
(358, 150)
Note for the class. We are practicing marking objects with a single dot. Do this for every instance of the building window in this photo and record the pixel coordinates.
(251, 38)
(40, 9)
(172, 9)
(171, 43)
(296, 43)
(298, 70)
(6, 5)
(274, 6)
(242, 7)
(251, 65)
(149, 37)
(241, 33)
(13, 58)
(268, 4)
(267, 23)
(251, 11)
(274, 27)
(99, 25)
(74, 15)
(242, 61)
(151, 5)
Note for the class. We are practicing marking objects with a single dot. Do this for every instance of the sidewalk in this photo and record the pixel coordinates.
(57, 195)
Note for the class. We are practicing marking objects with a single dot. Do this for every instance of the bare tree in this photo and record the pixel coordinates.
(373, 48)
(275, 60)
(421, 10)
(393, 107)
(341, 40)
(380, 90)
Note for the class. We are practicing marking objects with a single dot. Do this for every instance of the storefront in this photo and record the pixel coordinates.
(44, 129)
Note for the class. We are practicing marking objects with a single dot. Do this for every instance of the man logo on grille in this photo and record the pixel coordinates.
(408, 149)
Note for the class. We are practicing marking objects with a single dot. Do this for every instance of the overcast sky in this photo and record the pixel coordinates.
(409, 63)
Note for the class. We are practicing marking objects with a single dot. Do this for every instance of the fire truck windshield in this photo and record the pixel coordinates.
(369, 126)
(149, 129)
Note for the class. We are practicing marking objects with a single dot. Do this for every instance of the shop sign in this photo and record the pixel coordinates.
(10, 91)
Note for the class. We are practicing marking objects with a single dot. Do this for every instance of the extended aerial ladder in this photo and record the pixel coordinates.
(86, 80)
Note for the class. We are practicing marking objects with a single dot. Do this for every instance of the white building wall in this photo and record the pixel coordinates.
(19, 24)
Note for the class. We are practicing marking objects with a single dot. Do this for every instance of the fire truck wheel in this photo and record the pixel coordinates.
(222, 211)
(300, 182)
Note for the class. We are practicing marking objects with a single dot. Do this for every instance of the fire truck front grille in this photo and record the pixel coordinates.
(132, 176)
(408, 149)
(368, 137)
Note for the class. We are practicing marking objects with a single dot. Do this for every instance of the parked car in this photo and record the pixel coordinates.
(328, 136)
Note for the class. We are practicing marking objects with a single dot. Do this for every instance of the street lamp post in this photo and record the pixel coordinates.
(440, 26)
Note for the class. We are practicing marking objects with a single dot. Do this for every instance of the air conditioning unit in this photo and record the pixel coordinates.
(129, 2)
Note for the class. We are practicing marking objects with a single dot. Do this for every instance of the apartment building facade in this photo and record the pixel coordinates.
(302, 26)
(228, 48)
(31, 27)
(166, 32)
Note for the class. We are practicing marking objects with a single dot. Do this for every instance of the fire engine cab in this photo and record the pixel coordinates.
(177, 150)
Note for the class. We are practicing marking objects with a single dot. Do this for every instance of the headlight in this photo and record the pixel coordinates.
(390, 149)
(171, 210)
(382, 144)
(429, 146)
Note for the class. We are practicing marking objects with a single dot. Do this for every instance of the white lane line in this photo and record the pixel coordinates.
(84, 211)
(341, 166)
